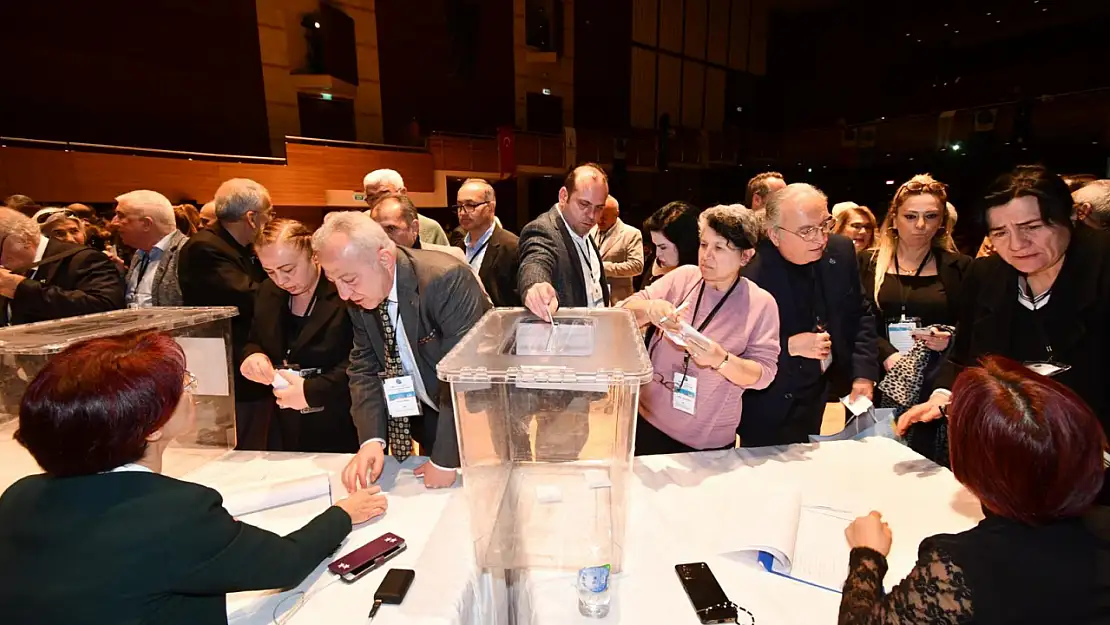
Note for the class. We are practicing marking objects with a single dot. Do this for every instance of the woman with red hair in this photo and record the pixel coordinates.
(101, 536)
(1032, 452)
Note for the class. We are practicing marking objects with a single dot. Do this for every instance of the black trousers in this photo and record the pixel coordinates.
(802, 420)
(651, 441)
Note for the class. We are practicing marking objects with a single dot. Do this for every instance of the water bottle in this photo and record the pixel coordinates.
(593, 591)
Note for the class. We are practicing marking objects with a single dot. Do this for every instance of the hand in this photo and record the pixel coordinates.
(934, 339)
(921, 413)
(435, 477)
(8, 282)
(813, 345)
(870, 531)
(661, 313)
(364, 505)
(365, 468)
(292, 396)
(711, 355)
(864, 387)
(258, 368)
(116, 260)
(542, 300)
(892, 360)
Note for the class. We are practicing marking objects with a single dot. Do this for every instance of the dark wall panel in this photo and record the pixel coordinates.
(602, 64)
(448, 63)
(170, 74)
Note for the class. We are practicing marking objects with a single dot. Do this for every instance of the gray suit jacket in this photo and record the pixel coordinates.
(622, 250)
(166, 290)
(547, 254)
(439, 301)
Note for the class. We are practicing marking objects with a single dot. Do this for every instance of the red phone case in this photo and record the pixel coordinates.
(368, 557)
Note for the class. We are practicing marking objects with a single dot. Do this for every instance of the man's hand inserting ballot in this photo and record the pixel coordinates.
(542, 300)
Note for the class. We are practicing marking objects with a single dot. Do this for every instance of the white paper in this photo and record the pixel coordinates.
(274, 494)
(820, 550)
(567, 337)
(858, 407)
(279, 382)
(206, 359)
(597, 478)
(548, 493)
(900, 335)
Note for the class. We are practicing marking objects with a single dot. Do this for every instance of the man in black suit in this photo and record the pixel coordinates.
(559, 263)
(828, 331)
(490, 249)
(411, 308)
(217, 267)
(73, 280)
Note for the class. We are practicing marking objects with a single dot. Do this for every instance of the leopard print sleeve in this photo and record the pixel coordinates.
(934, 593)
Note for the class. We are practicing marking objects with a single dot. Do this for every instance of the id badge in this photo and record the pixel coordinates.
(685, 393)
(1047, 369)
(400, 396)
(900, 333)
(595, 293)
(826, 363)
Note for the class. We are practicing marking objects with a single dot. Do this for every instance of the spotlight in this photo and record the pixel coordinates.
(956, 147)
(890, 183)
(315, 24)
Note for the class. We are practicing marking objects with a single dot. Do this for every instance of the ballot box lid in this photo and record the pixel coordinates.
(585, 345)
(51, 337)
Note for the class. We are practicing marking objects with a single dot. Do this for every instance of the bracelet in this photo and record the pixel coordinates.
(723, 362)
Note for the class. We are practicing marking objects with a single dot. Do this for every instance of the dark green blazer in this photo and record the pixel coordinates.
(134, 548)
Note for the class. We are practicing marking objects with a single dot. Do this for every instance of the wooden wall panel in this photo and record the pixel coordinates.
(670, 25)
(693, 94)
(757, 61)
(718, 31)
(738, 49)
(697, 11)
(670, 87)
(715, 81)
(645, 17)
(59, 176)
(643, 88)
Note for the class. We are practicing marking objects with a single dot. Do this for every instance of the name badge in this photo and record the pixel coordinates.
(595, 294)
(400, 396)
(826, 363)
(1047, 369)
(685, 394)
(900, 334)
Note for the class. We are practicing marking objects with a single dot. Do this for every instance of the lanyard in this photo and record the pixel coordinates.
(705, 322)
(1033, 300)
(470, 257)
(307, 314)
(585, 255)
(601, 236)
(903, 290)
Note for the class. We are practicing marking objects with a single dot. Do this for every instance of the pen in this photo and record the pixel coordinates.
(677, 311)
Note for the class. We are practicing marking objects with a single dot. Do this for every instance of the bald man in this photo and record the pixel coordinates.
(622, 250)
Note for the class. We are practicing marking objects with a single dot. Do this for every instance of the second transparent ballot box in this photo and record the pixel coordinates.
(204, 335)
(546, 419)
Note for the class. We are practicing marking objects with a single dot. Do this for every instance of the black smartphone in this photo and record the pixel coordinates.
(709, 600)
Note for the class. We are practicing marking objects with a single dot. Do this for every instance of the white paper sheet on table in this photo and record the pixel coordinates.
(206, 358)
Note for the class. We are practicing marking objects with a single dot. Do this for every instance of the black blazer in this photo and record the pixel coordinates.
(140, 548)
(324, 343)
(499, 267)
(851, 327)
(1076, 318)
(214, 270)
(82, 283)
(951, 269)
(547, 254)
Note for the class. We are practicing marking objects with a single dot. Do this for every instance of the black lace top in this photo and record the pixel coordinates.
(935, 592)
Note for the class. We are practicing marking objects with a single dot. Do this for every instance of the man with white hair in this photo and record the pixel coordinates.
(827, 331)
(145, 221)
(43, 279)
(410, 308)
(382, 182)
(217, 267)
(1092, 204)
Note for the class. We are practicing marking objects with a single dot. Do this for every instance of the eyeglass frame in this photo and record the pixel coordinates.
(191, 382)
(824, 227)
(468, 209)
(670, 386)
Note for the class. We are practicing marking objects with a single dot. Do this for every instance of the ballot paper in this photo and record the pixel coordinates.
(857, 407)
(567, 337)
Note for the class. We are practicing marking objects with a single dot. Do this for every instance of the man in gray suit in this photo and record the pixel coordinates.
(145, 221)
(555, 248)
(622, 250)
(411, 308)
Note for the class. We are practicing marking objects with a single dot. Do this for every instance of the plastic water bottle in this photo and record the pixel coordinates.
(593, 591)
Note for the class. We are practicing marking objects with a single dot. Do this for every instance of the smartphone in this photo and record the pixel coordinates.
(368, 557)
(710, 601)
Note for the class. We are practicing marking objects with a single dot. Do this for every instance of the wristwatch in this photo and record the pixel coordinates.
(723, 362)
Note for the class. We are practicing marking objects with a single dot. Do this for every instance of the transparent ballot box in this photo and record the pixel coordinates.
(203, 333)
(546, 419)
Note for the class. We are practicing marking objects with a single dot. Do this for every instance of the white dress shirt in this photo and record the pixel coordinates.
(139, 292)
(475, 260)
(591, 265)
(130, 467)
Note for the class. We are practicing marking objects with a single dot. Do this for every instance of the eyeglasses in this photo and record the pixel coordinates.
(813, 233)
(191, 382)
(52, 215)
(925, 187)
(468, 208)
(668, 384)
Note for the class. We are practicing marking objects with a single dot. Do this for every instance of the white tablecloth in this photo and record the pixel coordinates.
(668, 525)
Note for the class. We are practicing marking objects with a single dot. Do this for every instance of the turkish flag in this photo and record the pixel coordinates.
(506, 150)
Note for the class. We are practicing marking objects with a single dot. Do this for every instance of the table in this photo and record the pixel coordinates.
(917, 498)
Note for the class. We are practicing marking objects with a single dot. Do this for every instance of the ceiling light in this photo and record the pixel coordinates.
(315, 24)
(955, 147)
(890, 183)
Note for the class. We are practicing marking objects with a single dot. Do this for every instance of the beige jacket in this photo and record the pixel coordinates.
(622, 253)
